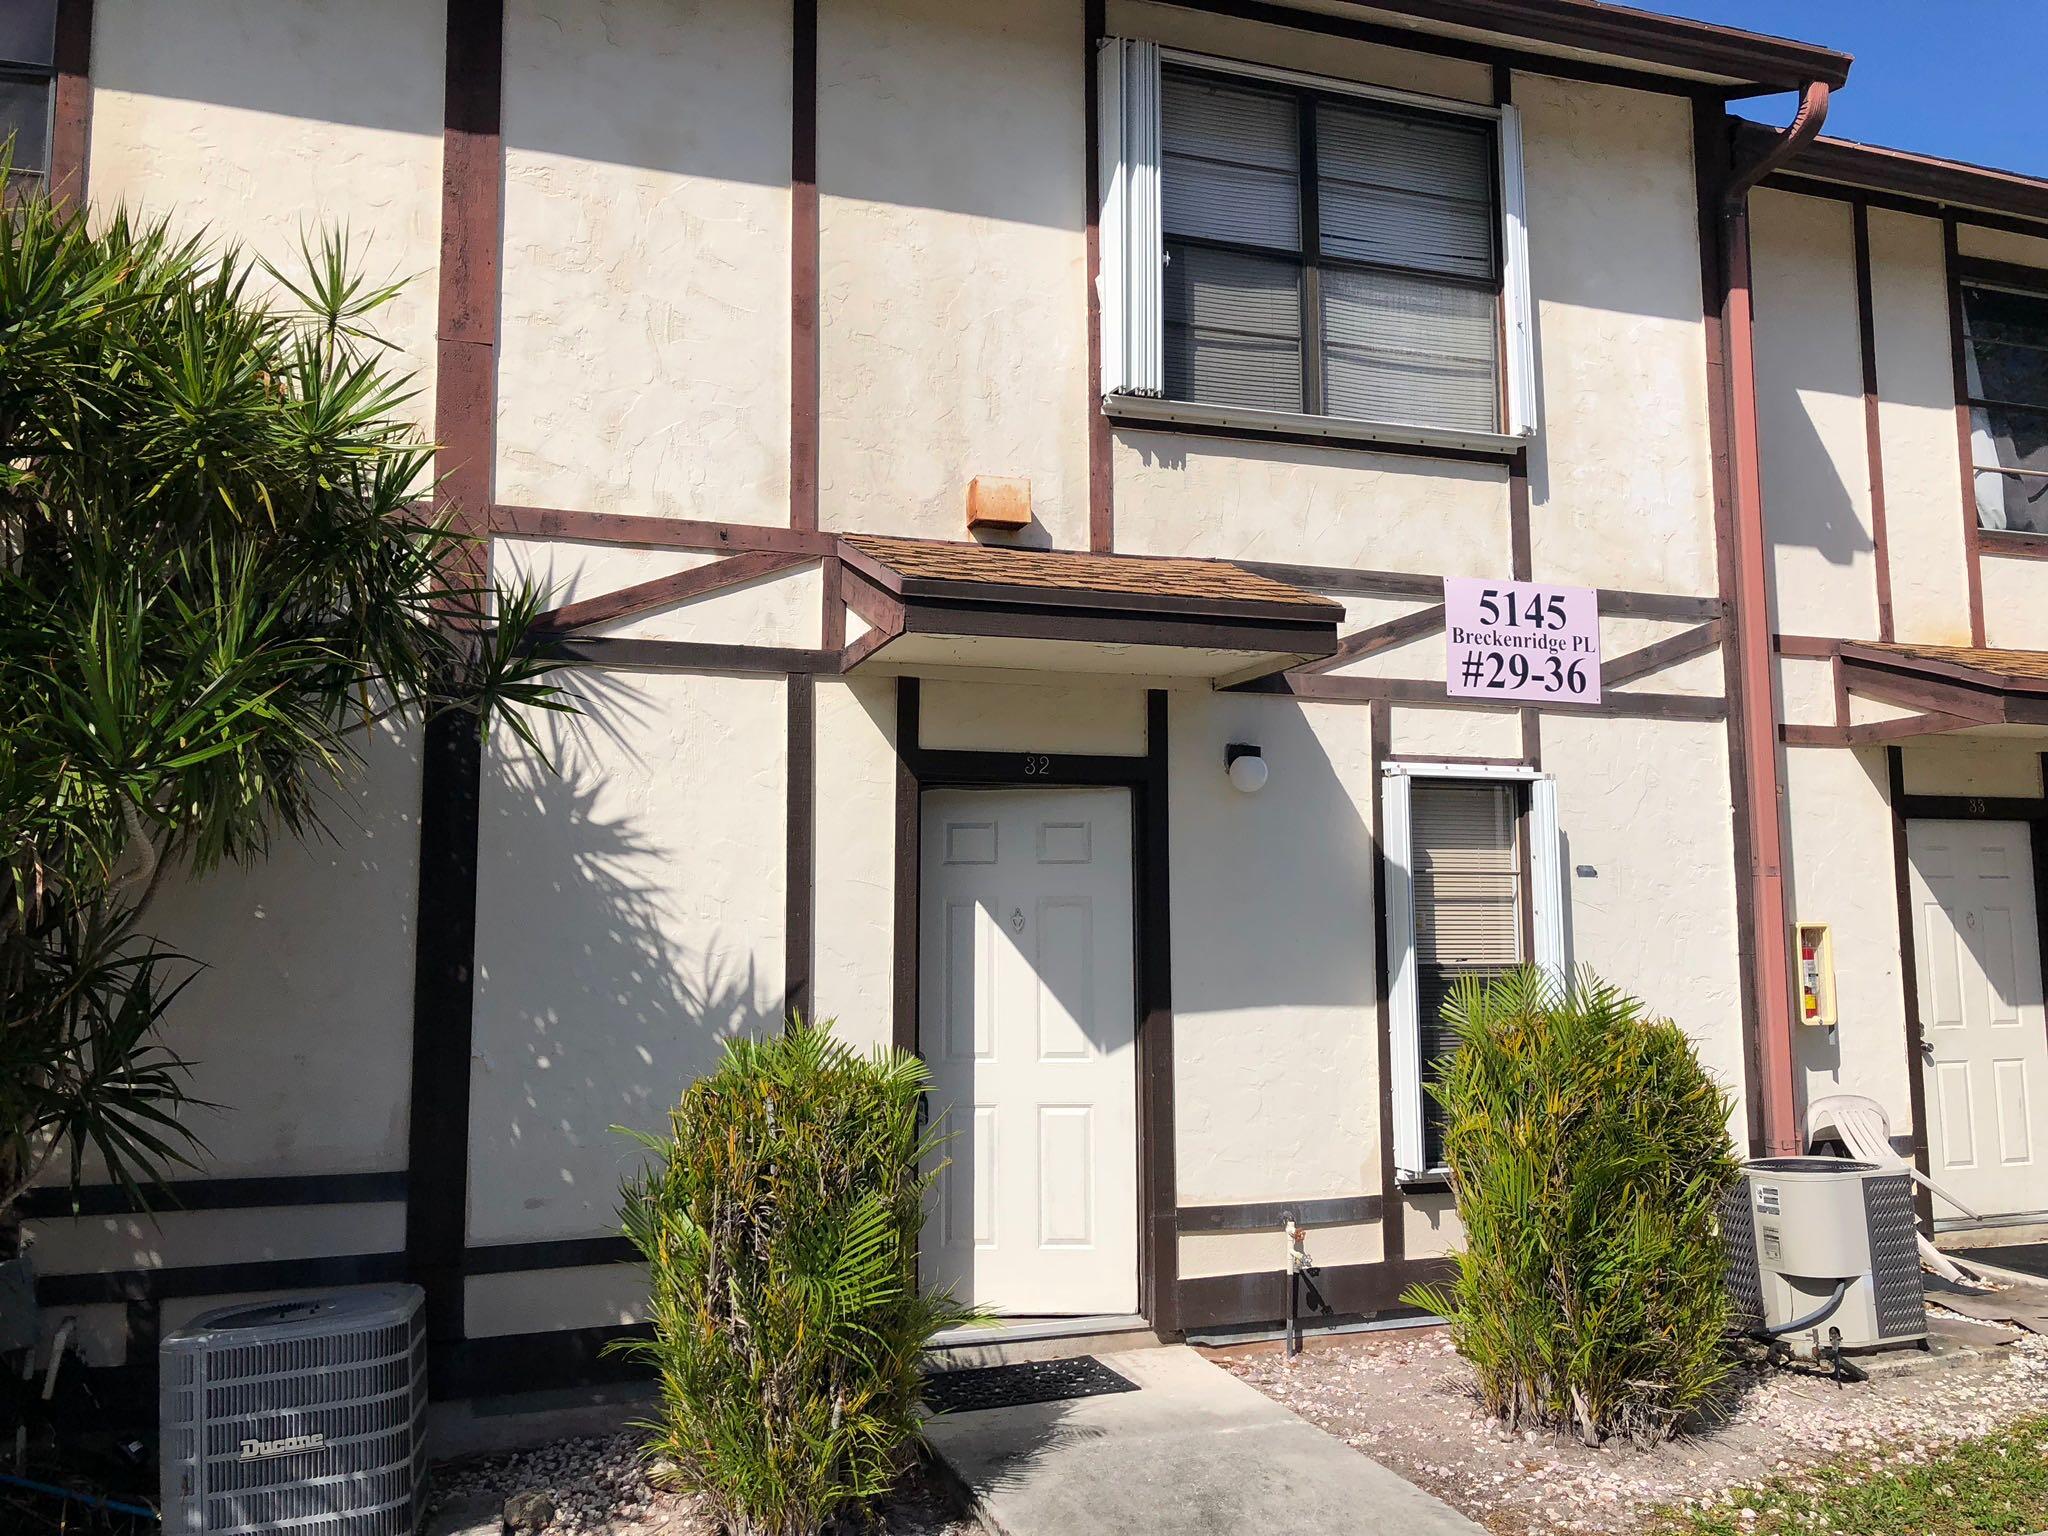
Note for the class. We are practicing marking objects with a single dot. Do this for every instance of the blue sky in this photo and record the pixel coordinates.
(1957, 78)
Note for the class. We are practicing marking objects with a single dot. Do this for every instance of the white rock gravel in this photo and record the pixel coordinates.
(1407, 1400)
(601, 1488)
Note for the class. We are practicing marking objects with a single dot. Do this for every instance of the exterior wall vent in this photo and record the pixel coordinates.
(305, 1416)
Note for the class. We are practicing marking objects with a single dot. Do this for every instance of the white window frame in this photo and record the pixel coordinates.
(1132, 241)
(1546, 897)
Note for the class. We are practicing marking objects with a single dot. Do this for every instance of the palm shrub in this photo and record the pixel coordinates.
(1589, 1153)
(779, 1220)
(220, 570)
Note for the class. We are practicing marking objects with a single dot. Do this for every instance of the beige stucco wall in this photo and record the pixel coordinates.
(1810, 420)
(1657, 916)
(2015, 613)
(1964, 765)
(171, 1239)
(306, 982)
(784, 608)
(1839, 824)
(1275, 1024)
(254, 120)
(1620, 480)
(596, 1297)
(953, 321)
(1178, 494)
(1917, 429)
(629, 918)
(853, 917)
(643, 360)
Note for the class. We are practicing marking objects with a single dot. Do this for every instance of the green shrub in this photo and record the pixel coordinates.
(779, 1220)
(1589, 1152)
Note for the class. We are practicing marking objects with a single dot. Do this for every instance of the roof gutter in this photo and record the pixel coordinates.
(1756, 699)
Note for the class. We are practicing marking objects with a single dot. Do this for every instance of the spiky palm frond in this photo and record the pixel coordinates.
(1589, 1150)
(779, 1220)
(218, 569)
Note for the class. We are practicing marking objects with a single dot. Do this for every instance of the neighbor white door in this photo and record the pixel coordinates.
(1977, 952)
(1026, 1018)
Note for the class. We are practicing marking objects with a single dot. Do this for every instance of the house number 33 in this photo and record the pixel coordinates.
(1036, 765)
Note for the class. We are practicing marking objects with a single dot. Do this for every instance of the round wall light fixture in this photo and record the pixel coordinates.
(1246, 767)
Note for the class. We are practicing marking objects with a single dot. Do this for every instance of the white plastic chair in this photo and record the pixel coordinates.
(1863, 1127)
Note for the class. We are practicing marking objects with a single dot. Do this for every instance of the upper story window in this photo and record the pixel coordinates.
(2005, 364)
(28, 73)
(1310, 255)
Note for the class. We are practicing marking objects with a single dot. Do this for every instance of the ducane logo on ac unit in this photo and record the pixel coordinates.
(257, 1450)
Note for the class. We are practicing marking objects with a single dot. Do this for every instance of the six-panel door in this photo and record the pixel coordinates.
(1977, 952)
(1026, 1019)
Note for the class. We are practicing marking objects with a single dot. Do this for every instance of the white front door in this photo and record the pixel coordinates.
(1977, 952)
(1026, 1018)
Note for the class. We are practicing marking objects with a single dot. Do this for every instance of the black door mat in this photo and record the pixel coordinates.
(1011, 1386)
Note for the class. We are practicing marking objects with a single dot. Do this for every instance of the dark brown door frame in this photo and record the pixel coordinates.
(919, 768)
(1909, 807)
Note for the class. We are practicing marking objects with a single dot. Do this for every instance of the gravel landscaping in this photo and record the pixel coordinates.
(1405, 1399)
(601, 1488)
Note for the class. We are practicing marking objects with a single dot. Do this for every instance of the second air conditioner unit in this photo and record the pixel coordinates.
(1822, 1254)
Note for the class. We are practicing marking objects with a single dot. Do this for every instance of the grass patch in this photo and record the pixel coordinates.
(1995, 1484)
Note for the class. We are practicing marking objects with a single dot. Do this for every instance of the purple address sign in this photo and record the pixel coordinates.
(1521, 640)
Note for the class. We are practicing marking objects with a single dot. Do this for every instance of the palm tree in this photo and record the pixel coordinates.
(218, 572)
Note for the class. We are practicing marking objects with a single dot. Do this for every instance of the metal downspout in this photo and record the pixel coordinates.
(1777, 1076)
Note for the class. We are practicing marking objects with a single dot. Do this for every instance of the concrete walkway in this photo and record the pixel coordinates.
(1193, 1451)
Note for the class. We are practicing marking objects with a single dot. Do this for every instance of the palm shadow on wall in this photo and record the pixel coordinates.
(601, 992)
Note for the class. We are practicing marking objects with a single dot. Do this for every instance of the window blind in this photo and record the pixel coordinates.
(1468, 910)
(1339, 257)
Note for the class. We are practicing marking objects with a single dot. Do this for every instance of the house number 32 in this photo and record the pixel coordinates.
(1036, 765)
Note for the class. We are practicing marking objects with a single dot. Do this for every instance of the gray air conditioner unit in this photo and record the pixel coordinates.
(306, 1417)
(1822, 1254)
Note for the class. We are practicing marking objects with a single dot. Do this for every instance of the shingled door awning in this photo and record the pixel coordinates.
(1952, 687)
(928, 602)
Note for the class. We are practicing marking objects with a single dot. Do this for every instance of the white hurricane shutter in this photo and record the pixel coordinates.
(1518, 306)
(1129, 290)
(1399, 917)
(1546, 877)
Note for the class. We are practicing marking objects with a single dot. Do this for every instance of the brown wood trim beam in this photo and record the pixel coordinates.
(1273, 1215)
(872, 639)
(666, 591)
(1153, 917)
(909, 864)
(1380, 730)
(1872, 733)
(1909, 978)
(465, 394)
(804, 401)
(832, 624)
(1929, 695)
(1366, 642)
(2001, 274)
(1351, 1290)
(1806, 647)
(1668, 652)
(2004, 542)
(800, 845)
(686, 655)
(1959, 376)
(545, 523)
(1873, 438)
(1418, 694)
(71, 112)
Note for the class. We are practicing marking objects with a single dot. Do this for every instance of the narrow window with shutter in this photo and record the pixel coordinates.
(1468, 912)
(1464, 897)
